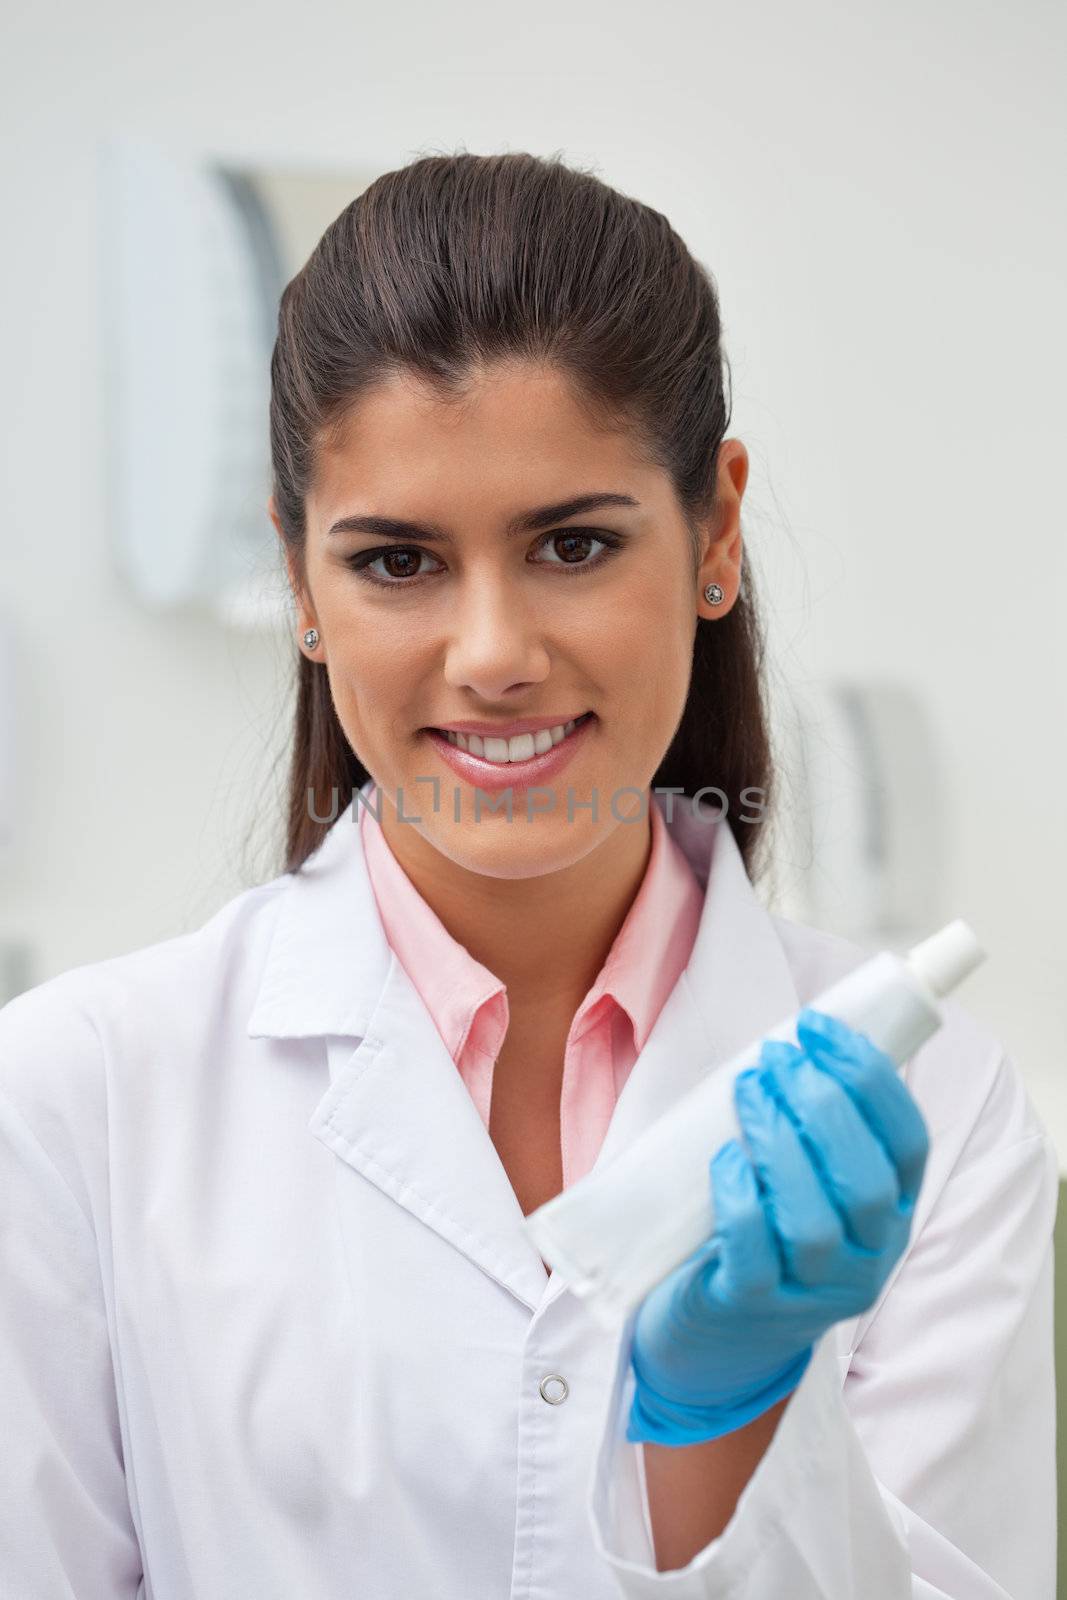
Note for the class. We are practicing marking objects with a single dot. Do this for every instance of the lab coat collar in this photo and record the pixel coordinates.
(328, 957)
(397, 1109)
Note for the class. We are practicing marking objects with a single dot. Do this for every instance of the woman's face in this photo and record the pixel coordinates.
(592, 612)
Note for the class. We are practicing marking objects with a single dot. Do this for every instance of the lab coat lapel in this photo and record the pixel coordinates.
(396, 1110)
(399, 1112)
(736, 986)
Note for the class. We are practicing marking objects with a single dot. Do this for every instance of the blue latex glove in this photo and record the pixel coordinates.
(806, 1234)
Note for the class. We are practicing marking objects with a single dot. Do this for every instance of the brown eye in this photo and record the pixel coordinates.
(403, 571)
(573, 544)
(402, 563)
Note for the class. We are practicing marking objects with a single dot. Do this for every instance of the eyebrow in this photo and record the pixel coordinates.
(525, 522)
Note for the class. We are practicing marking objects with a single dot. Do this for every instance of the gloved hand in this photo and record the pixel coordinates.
(806, 1234)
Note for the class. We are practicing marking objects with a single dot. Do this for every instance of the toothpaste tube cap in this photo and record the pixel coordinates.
(946, 958)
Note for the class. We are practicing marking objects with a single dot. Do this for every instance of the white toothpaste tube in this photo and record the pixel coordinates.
(617, 1232)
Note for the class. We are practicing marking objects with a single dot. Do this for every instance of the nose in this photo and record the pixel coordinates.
(495, 641)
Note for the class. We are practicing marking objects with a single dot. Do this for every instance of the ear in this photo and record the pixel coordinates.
(723, 552)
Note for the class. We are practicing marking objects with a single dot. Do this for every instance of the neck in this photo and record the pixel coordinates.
(545, 937)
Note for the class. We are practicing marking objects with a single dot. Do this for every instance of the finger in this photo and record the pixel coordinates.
(852, 1164)
(882, 1096)
(808, 1229)
(749, 1260)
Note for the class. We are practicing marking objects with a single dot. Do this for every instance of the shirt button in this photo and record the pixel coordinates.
(554, 1389)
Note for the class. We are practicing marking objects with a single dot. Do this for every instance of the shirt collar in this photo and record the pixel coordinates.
(644, 962)
(328, 954)
(453, 985)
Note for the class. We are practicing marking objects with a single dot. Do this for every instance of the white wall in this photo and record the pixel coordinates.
(875, 191)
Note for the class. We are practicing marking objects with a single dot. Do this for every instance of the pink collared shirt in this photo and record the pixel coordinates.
(469, 1005)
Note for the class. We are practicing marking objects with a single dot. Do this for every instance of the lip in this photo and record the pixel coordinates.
(505, 730)
(510, 774)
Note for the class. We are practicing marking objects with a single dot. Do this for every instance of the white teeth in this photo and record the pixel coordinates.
(519, 748)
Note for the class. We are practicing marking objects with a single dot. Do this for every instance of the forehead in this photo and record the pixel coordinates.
(516, 435)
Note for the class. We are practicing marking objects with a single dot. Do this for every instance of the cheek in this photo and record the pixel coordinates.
(651, 657)
(370, 656)
(364, 682)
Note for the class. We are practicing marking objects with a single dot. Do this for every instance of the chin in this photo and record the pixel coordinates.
(516, 849)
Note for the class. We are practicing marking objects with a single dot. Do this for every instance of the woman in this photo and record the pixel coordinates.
(271, 1322)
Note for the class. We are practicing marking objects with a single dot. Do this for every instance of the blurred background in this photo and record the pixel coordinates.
(873, 189)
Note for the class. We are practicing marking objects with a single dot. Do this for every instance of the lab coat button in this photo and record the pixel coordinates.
(554, 1389)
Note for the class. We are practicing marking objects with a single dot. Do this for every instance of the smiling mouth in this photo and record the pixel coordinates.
(520, 747)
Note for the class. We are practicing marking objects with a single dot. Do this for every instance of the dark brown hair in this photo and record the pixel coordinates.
(456, 261)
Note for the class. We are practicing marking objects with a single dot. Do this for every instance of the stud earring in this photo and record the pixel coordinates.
(713, 594)
(311, 638)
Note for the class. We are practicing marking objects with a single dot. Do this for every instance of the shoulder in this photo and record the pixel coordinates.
(233, 938)
(62, 1039)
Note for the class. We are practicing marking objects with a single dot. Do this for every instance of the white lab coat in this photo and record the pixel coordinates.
(270, 1328)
